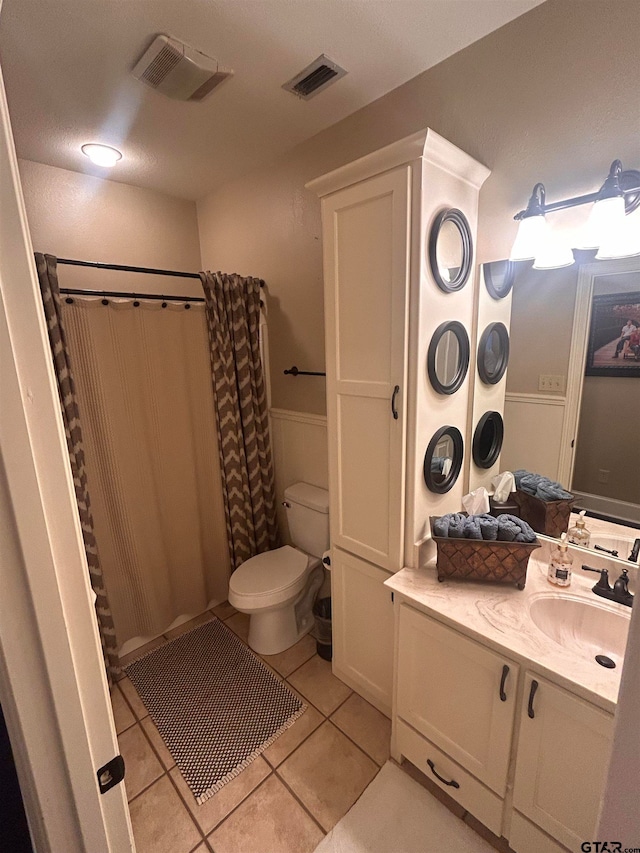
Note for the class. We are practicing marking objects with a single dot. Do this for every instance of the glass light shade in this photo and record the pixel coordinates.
(101, 155)
(624, 242)
(531, 236)
(553, 254)
(607, 217)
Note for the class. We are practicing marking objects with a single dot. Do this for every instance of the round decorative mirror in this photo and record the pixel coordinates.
(499, 277)
(448, 357)
(493, 353)
(443, 459)
(450, 250)
(487, 439)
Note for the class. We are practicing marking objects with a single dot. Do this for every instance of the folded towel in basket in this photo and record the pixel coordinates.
(488, 527)
(514, 529)
(506, 528)
(540, 487)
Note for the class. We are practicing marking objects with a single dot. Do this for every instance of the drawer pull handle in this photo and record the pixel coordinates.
(532, 693)
(505, 673)
(451, 782)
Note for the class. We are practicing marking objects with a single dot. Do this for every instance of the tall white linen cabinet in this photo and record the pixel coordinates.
(382, 306)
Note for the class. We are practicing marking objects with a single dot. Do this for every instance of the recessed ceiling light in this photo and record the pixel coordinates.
(102, 155)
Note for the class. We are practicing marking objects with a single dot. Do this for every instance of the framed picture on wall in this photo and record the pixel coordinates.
(614, 336)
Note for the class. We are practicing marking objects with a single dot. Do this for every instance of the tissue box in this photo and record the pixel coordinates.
(483, 560)
(548, 517)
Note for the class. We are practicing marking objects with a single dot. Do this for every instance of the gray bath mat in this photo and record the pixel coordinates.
(216, 705)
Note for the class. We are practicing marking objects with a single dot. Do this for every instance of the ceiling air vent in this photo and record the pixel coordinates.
(178, 71)
(315, 77)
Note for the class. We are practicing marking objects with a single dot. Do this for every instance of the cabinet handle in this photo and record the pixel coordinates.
(532, 693)
(394, 411)
(451, 782)
(505, 673)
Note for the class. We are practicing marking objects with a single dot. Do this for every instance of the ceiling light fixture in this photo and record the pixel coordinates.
(609, 228)
(101, 155)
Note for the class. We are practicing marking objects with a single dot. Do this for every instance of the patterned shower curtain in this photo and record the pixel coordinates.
(48, 278)
(233, 319)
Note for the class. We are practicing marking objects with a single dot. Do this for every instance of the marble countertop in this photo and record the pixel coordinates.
(498, 616)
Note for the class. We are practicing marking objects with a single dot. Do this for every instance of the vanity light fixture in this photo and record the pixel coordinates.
(101, 155)
(609, 228)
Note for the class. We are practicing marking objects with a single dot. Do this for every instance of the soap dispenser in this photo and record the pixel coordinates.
(560, 564)
(579, 534)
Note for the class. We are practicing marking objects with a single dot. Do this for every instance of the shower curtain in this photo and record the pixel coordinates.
(233, 317)
(46, 266)
(144, 390)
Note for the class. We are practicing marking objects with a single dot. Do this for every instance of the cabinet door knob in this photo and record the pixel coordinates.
(451, 782)
(394, 411)
(505, 673)
(532, 693)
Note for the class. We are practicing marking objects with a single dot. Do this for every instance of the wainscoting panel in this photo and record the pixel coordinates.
(533, 433)
(300, 454)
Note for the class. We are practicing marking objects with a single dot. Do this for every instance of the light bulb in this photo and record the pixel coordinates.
(623, 242)
(101, 155)
(605, 220)
(531, 236)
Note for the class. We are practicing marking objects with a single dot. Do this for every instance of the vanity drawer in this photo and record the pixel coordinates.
(471, 794)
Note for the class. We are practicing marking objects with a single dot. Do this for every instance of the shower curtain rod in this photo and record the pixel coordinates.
(125, 268)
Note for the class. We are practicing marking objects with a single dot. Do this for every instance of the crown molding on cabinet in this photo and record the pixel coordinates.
(425, 144)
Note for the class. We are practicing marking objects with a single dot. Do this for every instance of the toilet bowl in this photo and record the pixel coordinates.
(277, 588)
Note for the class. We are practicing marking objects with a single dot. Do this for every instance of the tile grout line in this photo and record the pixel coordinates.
(237, 806)
(168, 774)
(299, 801)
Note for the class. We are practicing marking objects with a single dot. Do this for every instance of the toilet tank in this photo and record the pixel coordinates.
(308, 517)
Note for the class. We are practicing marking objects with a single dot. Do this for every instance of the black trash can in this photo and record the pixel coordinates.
(322, 629)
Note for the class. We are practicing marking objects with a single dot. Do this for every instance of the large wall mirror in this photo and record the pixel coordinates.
(572, 405)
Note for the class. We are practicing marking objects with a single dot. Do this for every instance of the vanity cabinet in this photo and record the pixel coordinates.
(561, 764)
(455, 712)
(456, 703)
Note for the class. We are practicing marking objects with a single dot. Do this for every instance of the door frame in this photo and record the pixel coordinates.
(53, 687)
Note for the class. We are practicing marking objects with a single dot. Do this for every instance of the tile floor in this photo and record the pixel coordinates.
(289, 797)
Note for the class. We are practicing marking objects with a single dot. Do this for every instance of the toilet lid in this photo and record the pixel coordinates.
(269, 572)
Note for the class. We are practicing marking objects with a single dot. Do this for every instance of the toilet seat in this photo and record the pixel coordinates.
(269, 578)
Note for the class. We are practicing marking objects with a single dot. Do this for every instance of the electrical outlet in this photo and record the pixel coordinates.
(603, 475)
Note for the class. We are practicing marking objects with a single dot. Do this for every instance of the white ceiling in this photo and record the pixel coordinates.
(67, 62)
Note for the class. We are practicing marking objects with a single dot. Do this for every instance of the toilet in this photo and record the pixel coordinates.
(277, 588)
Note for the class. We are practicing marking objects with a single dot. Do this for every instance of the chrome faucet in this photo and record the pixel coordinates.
(619, 592)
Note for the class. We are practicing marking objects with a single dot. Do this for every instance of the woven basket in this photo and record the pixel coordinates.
(483, 560)
(548, 517)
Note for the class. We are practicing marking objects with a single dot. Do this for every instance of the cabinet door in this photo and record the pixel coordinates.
(362, 628)
(366, 249)
(562, 759)
(450, 689)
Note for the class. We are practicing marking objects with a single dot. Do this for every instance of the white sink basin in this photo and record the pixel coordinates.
(582, 627)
